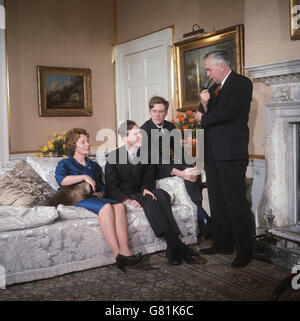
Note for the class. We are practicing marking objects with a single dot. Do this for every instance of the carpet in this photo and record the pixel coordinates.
(155, 280)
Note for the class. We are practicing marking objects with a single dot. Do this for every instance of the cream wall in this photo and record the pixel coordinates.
(80, 33)
(267, 40)
(267, 32)
(140, 17)
(267, 37)
(64, 33)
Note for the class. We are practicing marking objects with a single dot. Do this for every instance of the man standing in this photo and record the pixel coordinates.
(223, 114)
(167, 165)
(128, 180)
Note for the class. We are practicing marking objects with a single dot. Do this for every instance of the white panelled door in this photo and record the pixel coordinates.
(4, 132)
(142, 79)
(143, 69)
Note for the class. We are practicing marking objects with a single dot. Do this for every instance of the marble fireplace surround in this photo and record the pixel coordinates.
(279, 114)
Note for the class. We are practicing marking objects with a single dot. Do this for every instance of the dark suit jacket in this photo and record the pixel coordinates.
(125, 180)
(226, 134)
(166, 164)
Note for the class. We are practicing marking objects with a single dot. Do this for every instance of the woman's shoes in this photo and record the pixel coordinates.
(123, 260)
(140, 254)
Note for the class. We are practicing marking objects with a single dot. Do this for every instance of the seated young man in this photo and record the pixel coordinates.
(128, 180)
(158, 109)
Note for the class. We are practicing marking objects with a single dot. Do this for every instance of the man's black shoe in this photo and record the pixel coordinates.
(215, 250)
(205, 230)
(173, 256)
(241, 261)
(183, 248)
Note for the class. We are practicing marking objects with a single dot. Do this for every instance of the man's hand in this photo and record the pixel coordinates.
(146, 191)
(204, 96)
(134, 203)
(185, 174)
(188, 176)
(198, 116)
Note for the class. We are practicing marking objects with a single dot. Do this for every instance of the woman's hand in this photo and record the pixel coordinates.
(90, 181)
(146, 191)
(98, 194)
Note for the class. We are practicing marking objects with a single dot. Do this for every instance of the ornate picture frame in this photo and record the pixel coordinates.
(64, 91)
(295, 19)
(191, 75)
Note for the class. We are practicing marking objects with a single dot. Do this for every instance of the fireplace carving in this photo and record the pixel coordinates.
(280, 114)
(278, 212)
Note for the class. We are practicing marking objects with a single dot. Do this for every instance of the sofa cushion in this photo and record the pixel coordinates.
(175, 187)
(132, 208)
(45, 167)
(74, 212)
(22, 186)
(18, 218)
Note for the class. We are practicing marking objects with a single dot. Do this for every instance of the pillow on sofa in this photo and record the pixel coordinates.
(19, 218)
(22, 186)
(45, 167)
(6, 166)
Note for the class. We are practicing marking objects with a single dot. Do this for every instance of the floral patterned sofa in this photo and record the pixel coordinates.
(38, 241)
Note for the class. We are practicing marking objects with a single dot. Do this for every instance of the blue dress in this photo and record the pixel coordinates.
(69, 166)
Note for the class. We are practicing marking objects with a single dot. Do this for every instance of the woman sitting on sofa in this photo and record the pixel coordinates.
(112, 214)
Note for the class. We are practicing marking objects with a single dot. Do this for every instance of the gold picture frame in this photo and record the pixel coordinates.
(64, 91)
(191, 75)
(295, 19)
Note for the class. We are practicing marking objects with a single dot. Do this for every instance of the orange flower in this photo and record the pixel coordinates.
(178, 115)
(189, 113)
(192, 120)
(173, 121)
(182, 119)
(185, 127)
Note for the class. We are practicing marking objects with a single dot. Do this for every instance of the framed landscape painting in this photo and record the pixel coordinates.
(295, 19)
(191, 75)
(64, 91)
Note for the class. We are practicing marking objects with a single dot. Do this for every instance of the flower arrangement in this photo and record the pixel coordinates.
(187, 120)
(55, 147)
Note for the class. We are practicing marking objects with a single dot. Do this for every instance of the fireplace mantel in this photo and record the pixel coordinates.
(279, 114)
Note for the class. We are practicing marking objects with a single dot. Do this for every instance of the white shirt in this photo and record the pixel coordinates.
(132, 154)
(160, 127)
(222, 82)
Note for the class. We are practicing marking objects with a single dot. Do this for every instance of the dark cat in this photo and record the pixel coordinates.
(72, 194)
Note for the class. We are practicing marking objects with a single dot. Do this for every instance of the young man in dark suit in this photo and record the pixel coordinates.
(223, 114)
(166, 165)
(128, 180)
